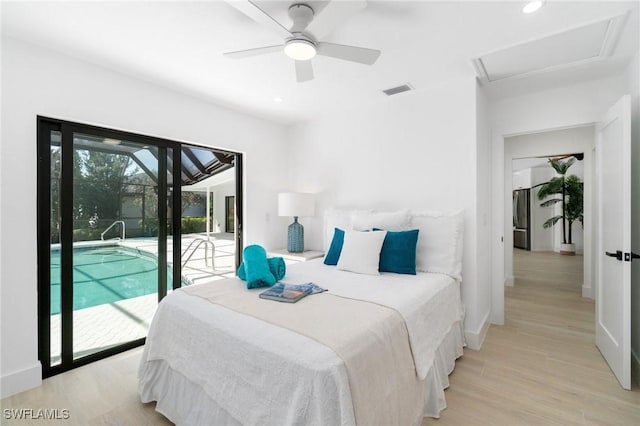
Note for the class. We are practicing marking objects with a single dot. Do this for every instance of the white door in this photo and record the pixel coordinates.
(613, 255)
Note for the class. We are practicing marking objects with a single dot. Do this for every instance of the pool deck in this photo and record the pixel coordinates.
(103, 326)
(198, 268)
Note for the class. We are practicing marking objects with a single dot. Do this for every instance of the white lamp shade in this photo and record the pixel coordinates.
(296, 204)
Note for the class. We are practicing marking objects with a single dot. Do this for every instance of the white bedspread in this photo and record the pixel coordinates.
(429, 303)
(258, 373)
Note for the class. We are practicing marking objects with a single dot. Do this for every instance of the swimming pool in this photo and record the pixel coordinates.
(106, 275)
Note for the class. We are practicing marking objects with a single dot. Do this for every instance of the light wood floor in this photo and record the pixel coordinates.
(540, 368)
(101, 393)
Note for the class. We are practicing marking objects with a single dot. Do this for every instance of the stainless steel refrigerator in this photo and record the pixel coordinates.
(522, 219)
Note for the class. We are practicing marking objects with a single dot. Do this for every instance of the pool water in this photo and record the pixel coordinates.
(105, 275)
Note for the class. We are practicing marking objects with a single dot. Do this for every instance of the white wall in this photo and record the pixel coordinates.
(541, 238)
(38, 82)
(564, 107)
(485, 210)
(413, 150)
(633, 84)
(219, 204)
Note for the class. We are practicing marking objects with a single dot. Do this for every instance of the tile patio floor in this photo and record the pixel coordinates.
(103, 326)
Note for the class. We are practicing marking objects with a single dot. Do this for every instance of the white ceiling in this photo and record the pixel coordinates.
(179, 45)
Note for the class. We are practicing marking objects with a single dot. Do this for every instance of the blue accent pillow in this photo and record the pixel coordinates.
(398, 252)
(333, 255)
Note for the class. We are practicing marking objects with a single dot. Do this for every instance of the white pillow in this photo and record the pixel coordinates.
(338, 218)
(361, 252)
(389, 221)
(439, 242)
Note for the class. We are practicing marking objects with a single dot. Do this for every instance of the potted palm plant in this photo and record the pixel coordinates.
(567, 190)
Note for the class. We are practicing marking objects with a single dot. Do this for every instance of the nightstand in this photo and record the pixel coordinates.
(295, 257)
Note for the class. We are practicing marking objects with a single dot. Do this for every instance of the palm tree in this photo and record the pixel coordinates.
(568, 191)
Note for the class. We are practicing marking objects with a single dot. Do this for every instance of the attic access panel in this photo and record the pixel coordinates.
(572, 47)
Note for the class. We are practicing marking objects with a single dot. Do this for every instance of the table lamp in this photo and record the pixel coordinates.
(295, 204)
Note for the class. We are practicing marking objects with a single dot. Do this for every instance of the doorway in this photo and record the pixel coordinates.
(543, 226)
(521, 152)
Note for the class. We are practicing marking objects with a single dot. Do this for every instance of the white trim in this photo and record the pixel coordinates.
(20, 381)
(474, 339)
(587, 291)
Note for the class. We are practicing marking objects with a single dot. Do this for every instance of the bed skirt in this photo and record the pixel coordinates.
(186, 403)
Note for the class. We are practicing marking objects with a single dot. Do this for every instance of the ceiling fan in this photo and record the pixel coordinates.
(300, 41)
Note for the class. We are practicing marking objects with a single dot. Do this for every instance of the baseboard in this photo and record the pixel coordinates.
(20, 381)
(587, 291)
(474, 339)
(509, 281)
(635, 367)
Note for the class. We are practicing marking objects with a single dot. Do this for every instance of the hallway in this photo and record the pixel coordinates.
(542, 366)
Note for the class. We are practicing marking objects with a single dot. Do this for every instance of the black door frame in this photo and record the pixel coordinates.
(229, 226)
(45, 126)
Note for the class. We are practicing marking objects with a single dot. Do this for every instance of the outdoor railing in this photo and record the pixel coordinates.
(198, 242)
(111, 226)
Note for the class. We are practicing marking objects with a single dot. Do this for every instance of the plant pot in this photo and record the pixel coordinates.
(568, 249)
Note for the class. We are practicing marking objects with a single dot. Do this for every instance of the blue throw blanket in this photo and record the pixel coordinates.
(276, 266)
(256, 267)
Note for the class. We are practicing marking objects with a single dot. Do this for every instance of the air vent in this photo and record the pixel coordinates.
(398, 89)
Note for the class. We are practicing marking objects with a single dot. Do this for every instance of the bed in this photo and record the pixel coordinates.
(373, 349)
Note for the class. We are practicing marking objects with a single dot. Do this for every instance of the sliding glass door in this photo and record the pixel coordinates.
(109, 237)
(115, 242)
(208, 247)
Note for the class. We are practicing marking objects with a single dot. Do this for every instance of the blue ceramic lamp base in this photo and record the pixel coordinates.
(295, 237)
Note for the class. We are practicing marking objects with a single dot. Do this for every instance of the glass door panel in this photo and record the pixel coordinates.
(207, 251)
(55, 331)
(115, 242)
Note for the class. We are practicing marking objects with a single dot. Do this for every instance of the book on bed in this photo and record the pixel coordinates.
(290, 293)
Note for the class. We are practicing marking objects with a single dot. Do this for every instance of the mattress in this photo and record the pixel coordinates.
(205, 364)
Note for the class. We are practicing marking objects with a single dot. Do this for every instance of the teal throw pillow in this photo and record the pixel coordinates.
(398, 252)
(333, 255)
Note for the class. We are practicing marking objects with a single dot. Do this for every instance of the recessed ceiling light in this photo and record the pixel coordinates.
(111, 141)
(277, 99)
(532, 6)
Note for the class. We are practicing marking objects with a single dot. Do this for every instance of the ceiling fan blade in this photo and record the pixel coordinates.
(250, 9)
(348, 53)
(239, 54)
(304, 71)
(334, 13)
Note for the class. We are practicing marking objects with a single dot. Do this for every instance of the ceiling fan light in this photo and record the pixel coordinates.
(300, 50)
(532, 6)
